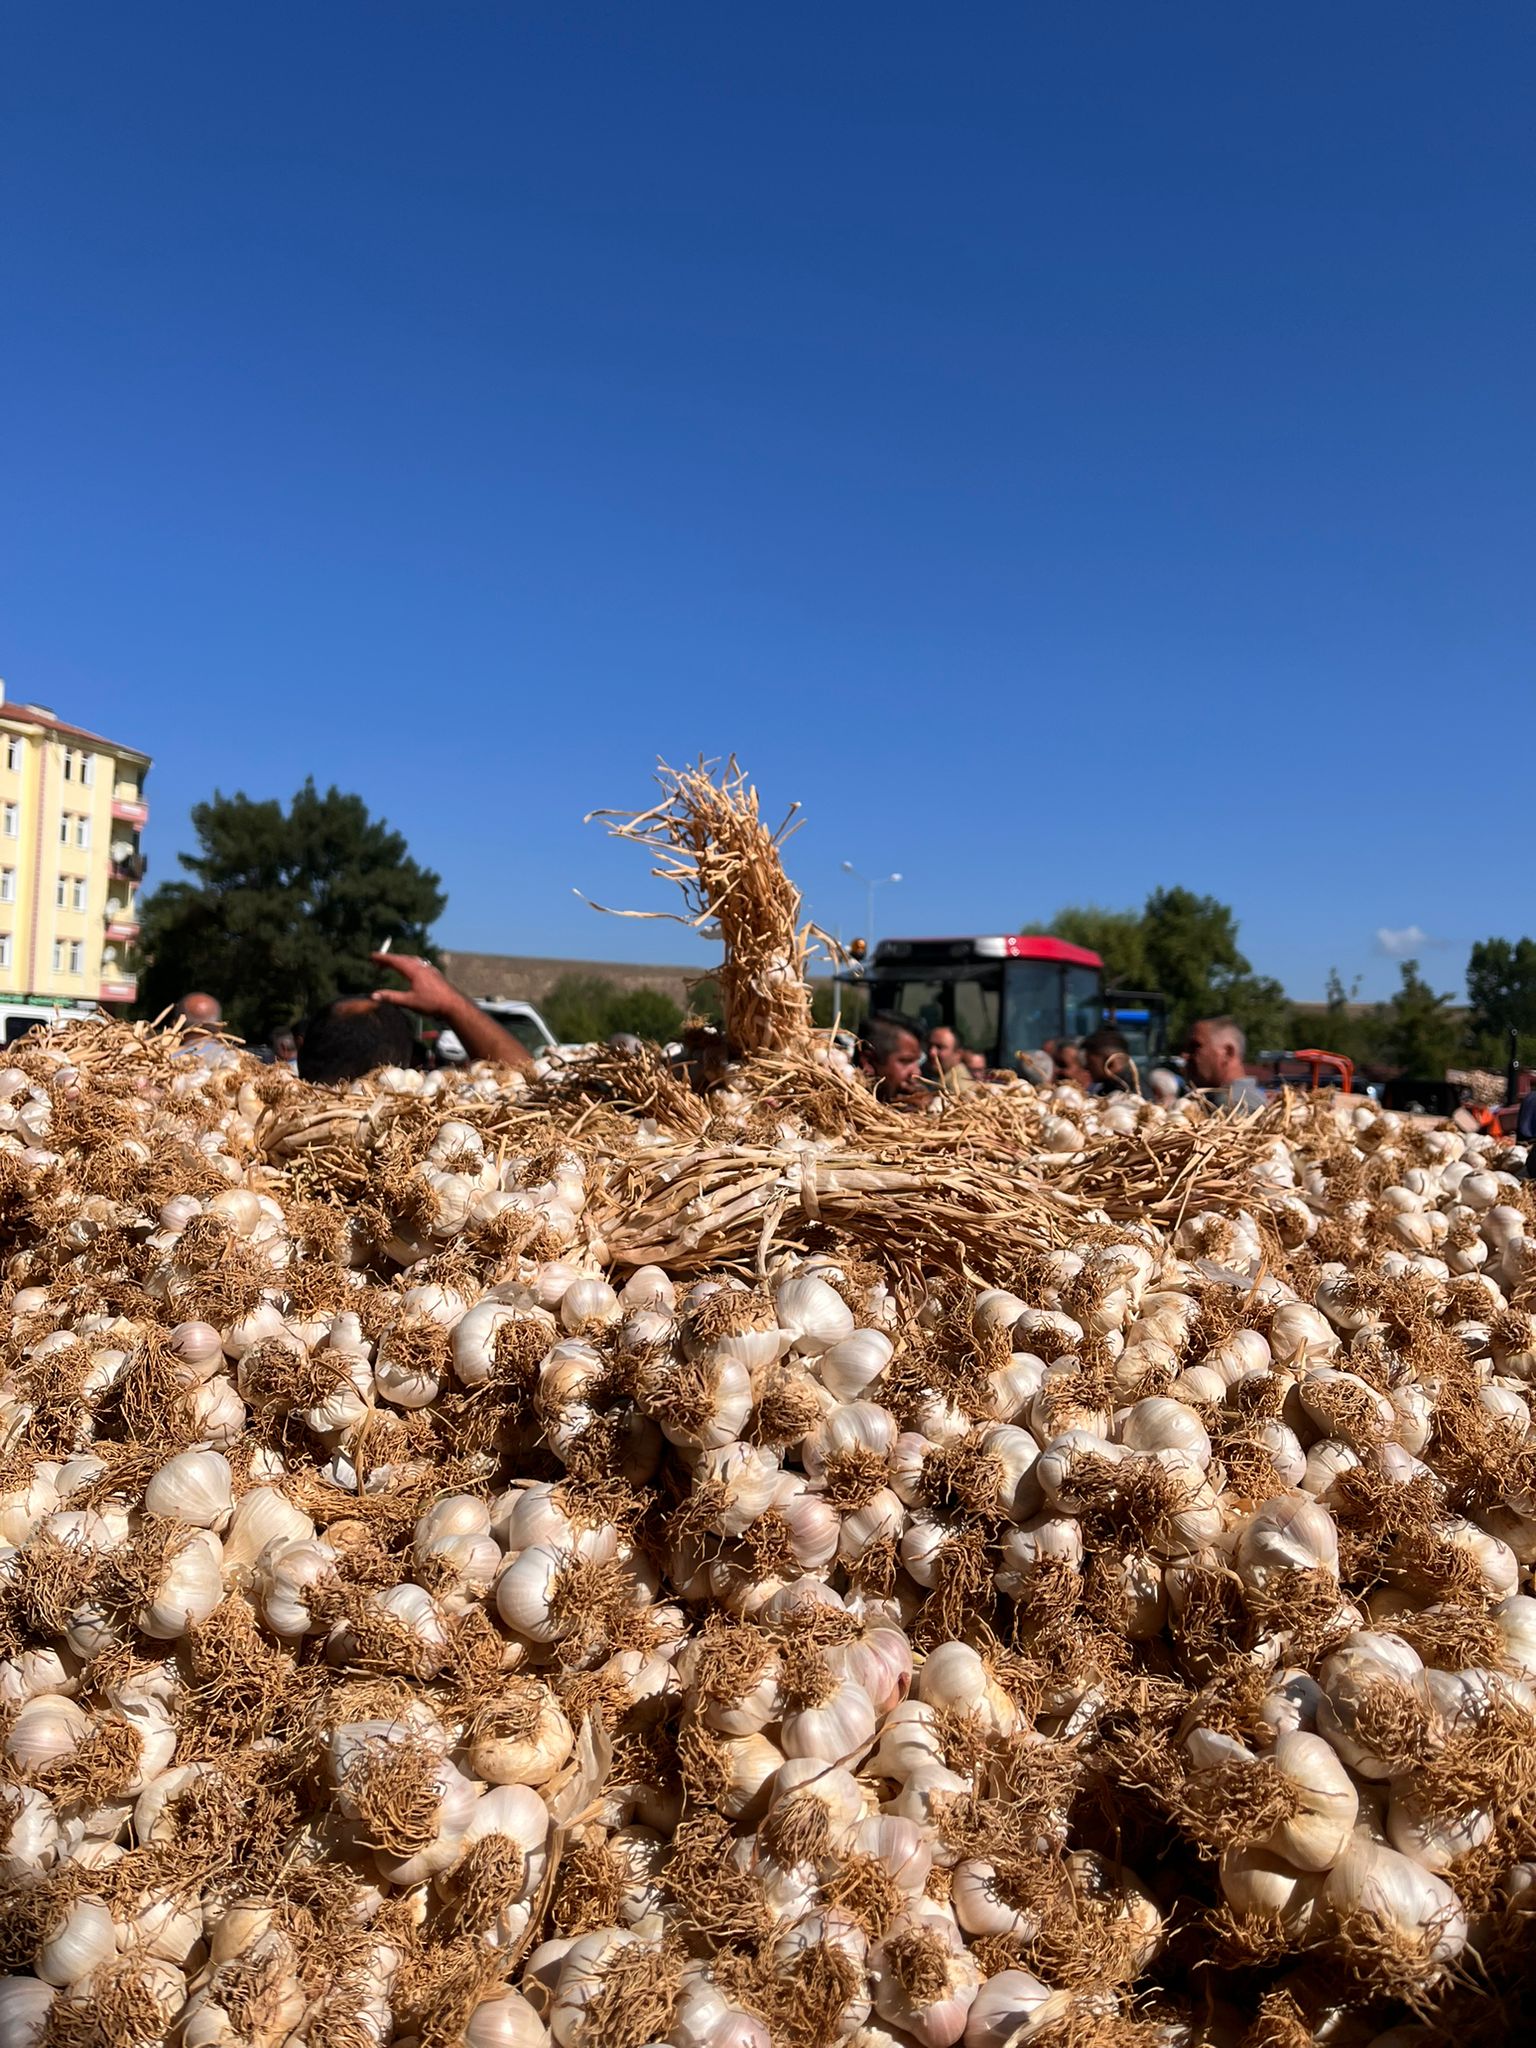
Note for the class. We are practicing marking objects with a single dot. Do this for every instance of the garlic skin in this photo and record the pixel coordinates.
(1398, 1897)
(77, 1944)
(1317, 1835)
(1367, 1667)
(924, 1979)
(31, 1839)
(25, 2003)
(812, 1313)
(530, 1750)
(1003, 2008)
(194, 1488)
(190, 1586)
(262, 1517)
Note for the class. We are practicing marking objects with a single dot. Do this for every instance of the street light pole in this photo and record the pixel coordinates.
(871, 884)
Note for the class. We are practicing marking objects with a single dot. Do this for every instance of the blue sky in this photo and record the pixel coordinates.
(1068, 450)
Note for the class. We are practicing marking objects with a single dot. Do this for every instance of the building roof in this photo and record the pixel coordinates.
(39, 714)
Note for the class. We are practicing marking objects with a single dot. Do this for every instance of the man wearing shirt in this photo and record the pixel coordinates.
(1213, 1059)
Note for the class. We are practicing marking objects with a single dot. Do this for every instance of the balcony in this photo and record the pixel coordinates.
(126, 864)
(130, 810)
(121, 989)
(122, 925)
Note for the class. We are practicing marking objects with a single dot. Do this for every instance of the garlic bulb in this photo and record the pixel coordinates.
(924, 1978)
(1397, 1900)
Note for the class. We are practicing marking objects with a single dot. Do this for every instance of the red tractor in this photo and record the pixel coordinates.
(1011, 993)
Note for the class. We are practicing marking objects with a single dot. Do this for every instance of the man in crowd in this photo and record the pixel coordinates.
(351, 1036)
(1108, 1060)
(891, 1054)
(944, 1053)
(1071, 1071)
(1213, 1059)
(200, 1016)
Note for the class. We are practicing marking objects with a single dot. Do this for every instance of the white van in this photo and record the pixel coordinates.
(521, 1019)
(18, 1017)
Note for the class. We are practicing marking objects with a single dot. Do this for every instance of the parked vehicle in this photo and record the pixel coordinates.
(521, 1019)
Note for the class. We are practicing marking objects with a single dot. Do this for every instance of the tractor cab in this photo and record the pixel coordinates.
(1008, 994)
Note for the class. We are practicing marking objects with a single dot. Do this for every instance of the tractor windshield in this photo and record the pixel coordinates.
(969, 1000)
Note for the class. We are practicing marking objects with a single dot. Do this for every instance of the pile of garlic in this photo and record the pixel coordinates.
(414, 1627)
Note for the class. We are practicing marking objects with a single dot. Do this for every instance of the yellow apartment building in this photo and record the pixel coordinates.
(71, 811)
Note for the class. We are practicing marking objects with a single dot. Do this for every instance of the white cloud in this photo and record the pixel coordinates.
(1407, 943)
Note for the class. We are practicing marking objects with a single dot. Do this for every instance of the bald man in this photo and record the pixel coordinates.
(200, 1017)
(1214, 1054)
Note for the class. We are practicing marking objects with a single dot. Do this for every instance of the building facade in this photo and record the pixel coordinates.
(71, 813)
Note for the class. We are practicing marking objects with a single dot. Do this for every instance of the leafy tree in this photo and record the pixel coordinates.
(1186, 946)
(1501, 984)
(283, 908)
(584, 1009)
(1117, 936)
(1192, 954)
(647, 1012)
(576, 1006)
(1419, 1035)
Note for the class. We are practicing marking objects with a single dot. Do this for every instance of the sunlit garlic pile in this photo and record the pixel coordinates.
(419, 1624)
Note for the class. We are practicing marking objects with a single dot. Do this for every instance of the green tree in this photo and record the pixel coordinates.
(1192, 954)
(576, 1007)
(584, 1009)
(1117, 936)
(1186, 946)
(1501, 986)
(283, 908)
(1418, 1034)
(647, 1012)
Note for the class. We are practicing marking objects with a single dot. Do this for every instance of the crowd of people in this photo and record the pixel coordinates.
(906, 1065)
(353, 1035)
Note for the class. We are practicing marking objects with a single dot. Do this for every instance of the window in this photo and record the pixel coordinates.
(10, 820)
(64, 822)
(82, 831)
(76, 956)
(77, 890)
(13, 754)
(68, 956)
(61, 892)
(5, 949)
(7, 885)
(58, 956)
(69, 764)
(88, 770)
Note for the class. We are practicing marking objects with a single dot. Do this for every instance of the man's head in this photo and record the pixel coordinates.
(891, 1051)
(200, 1014)
(1069, 1062)
(352, 1036)
(1214, 1050)
(1106, 1054)
(943, 1049)
(975, 1065)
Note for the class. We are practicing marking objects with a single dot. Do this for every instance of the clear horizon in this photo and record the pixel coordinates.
(1070, 455)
